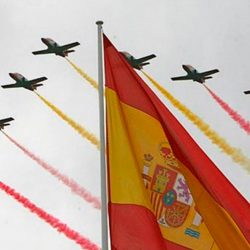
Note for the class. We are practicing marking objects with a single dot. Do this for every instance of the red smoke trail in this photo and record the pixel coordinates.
(76, 188)
(54, 222)
(234, 115)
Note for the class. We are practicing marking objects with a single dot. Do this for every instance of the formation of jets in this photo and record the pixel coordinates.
(64, 50)
(22, 82)
(55, 48)
(192, 73)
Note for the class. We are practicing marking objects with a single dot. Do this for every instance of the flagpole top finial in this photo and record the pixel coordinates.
(99, 22)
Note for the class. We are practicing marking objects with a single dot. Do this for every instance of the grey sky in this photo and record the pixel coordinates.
(205, 34)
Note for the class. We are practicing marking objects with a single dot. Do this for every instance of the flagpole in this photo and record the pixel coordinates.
(104, 213)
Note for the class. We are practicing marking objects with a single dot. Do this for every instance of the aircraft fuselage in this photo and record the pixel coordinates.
(132, 61)
(54, 47)
(18, 77)
(21, 80)
(49, 42)
(193, 74)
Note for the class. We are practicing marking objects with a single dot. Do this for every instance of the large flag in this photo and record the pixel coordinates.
(164, 192)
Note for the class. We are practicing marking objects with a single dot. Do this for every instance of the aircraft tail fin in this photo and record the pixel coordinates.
(66, 52)
(208, 77)
(143, 64)
(34, 86)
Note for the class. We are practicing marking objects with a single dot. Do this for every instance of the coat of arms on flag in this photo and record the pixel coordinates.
(170, 196)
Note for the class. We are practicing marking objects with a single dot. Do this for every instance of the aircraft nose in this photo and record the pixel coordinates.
(43, 39)
(11, 74)
(184, 66)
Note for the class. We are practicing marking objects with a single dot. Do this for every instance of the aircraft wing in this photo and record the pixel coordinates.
(145, 58)
(247, 92)
(70, 45)
(40, 79)
(10, 86)
(210, 72)
(181, 78)
(9, 119)
(41, 52)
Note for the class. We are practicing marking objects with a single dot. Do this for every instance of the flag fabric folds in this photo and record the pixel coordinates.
(164, 192)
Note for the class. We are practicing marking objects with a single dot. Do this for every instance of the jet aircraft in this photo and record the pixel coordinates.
(247, 92)
(22, 82)
(54, 48)
(193, 74)
(5, 122)
(137, 63)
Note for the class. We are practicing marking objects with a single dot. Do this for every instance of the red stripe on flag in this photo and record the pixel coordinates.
(144, 232)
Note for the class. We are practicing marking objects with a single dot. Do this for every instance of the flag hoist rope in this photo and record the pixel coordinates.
(104, 214)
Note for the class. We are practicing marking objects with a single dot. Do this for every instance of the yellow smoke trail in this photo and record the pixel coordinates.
(235, 153)
(82, 131)
(83, 74)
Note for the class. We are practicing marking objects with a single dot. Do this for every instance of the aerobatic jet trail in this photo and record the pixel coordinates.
(82, 131)
(73, 185)
(83, 74)
(61, 227)
(235, 153)
(244, 124)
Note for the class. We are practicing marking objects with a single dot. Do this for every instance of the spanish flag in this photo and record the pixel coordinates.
(164, 192)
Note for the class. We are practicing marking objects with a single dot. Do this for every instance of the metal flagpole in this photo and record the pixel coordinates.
(104, 214)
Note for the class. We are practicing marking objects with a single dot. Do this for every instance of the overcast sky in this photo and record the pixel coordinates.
(206, 34)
